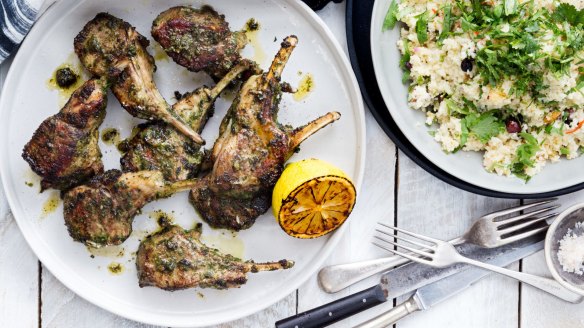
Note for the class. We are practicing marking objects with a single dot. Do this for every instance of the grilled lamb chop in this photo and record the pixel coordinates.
(64, 149)
(110, 47)
(158, 146)
(175, 258)
(249, 155)
(101, 212)
(199, 39)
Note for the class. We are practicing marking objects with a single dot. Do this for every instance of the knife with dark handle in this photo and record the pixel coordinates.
(338, 310)
(433, 294)
(403, 280)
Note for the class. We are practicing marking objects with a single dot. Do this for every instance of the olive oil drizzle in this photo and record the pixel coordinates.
(252, 28)
(110, 136)
(115, 268)
(65, 92)
(226, 242)
(51, 204)
(305, 87)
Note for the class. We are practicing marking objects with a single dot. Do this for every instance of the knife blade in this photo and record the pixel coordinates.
(402, 280)
(432, 294)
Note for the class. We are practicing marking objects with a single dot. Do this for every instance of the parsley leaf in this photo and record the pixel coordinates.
(483, 127)
(422, 27)
(580, 82)
(565, 151)
(510, 7)
(477, 8)
(486, 127)
(524, 154)
(569, 13)
(463, 132)
(391, 17)
(498, 11)
(467, 25)
(534, 27)
(447, 24)
(453, 108)
(405, 58)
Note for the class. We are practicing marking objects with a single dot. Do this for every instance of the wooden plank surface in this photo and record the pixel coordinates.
(19, 267)
(429, 206)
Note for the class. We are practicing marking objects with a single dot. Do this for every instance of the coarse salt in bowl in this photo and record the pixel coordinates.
(564, 248)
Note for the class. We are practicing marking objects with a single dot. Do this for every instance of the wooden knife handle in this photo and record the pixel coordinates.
(338, 310)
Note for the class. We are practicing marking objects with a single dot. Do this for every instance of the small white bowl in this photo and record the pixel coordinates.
(566, 220)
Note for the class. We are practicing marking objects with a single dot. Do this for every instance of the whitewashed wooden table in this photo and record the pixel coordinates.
(395, 190)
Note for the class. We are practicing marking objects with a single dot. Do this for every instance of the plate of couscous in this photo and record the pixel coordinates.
(490, 92)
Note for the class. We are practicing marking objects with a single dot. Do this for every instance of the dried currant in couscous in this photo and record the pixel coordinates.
(466, 64)
(512, 125)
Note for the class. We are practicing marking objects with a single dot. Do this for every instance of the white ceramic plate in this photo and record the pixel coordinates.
(466, 166)
(26, 102)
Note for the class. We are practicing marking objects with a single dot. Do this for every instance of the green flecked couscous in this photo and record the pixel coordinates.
(502, 77)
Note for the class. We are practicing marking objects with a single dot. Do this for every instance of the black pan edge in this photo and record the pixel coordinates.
(358, 24)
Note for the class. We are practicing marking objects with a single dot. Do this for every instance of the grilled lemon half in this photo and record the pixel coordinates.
(312, 198)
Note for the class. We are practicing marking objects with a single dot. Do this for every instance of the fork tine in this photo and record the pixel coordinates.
(526, 215)
(519, 208)
(404, 239)
(514, 238)
(526, 224)
(415, 235)
(411, 249)
(407, 256)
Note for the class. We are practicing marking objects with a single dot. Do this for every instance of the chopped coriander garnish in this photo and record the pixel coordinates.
(483, 127)
(510, 7)
(569, 13)
(524, 156)
(454, 109)
(404, 60)
(565, 151)
(447, 23)
(391, 16)
(422, 27)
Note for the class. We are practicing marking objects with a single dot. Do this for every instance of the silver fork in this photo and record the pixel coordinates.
(440, 254)
(491, 230)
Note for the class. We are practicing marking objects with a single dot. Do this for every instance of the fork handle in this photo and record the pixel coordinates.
(334, 278)
(547, 285)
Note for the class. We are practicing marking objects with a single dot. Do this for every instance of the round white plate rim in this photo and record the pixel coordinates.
(513, 185)
(52, 263)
